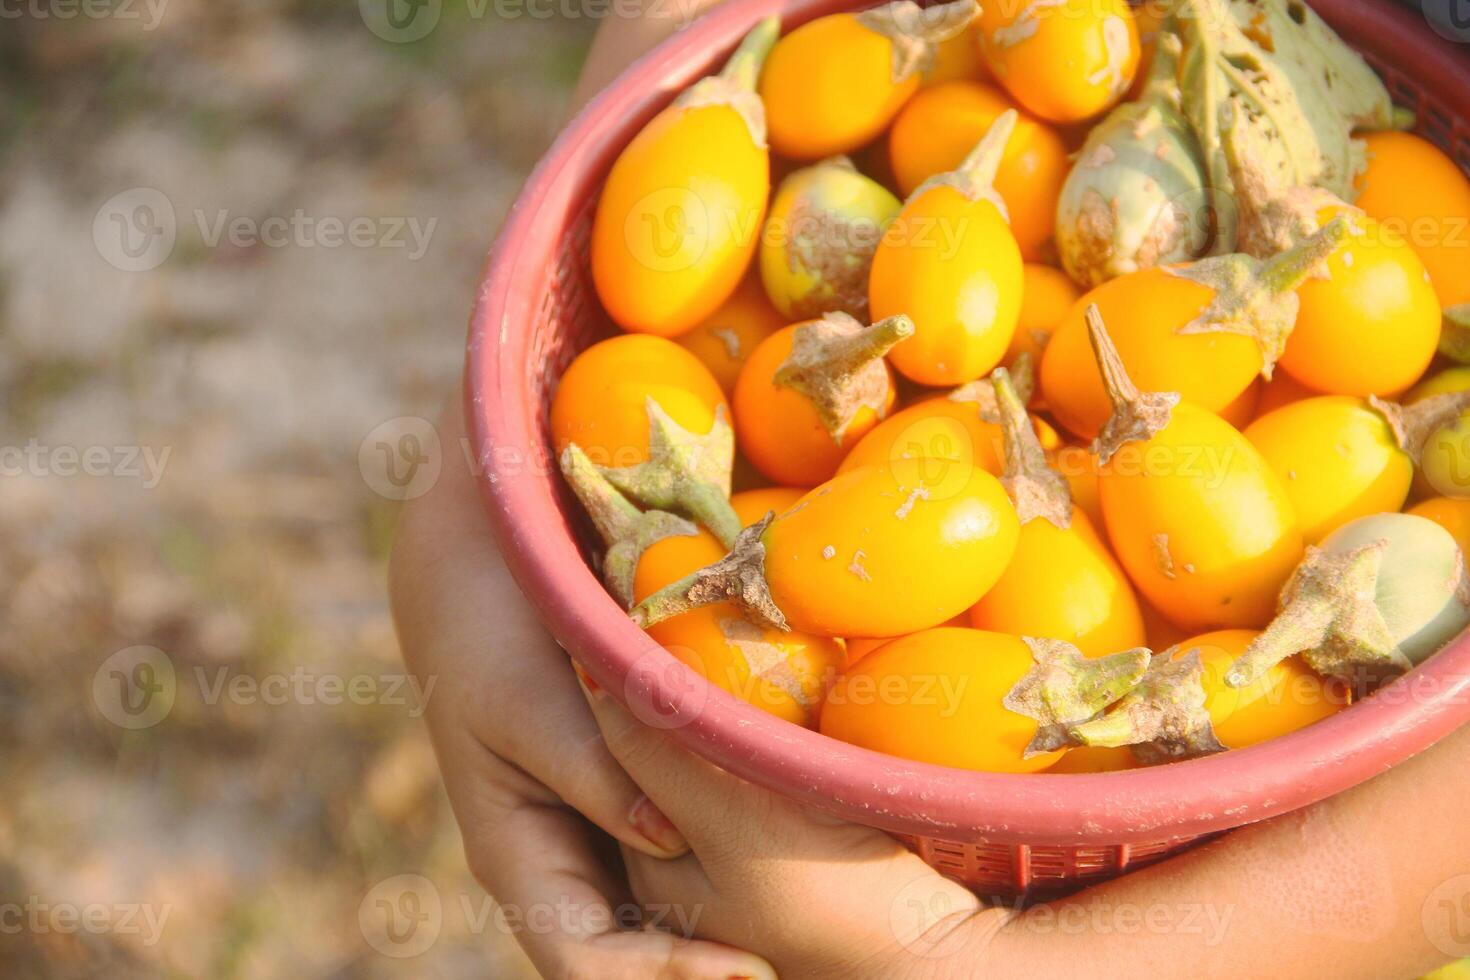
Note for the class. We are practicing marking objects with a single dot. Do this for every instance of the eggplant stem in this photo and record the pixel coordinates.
(612, 514)
(1454, 337)
(1164, 716)
(627, 531)
(1065, 689)
(685, 473)
(975, 177)
(739, 577)
(1137, 415)
(1301, 626)
(837, 364)
(916, 32)
(1286, 271)
(1412, 425)
(1034, 487)
(744, 67)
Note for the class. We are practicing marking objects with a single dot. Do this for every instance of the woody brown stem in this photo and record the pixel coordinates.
(1034, 487)
(1329, 615)
(739, 577)
(1137, 415)
(837, 363)
(1412, 425)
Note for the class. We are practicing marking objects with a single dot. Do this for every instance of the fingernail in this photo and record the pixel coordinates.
(656, 828)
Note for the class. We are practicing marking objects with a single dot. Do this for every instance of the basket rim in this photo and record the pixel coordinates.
(518, 480)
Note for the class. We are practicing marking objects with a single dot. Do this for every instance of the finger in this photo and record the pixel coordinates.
(565, 921)
(559, 900)
(465, 627)
(657, 954)
(764, 864)
(678, 889)
(722, 815)
(698, 797)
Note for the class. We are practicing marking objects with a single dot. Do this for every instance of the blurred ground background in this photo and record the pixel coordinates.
(256, 819)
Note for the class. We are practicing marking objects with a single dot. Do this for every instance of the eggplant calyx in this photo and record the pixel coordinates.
(1137, 415)
(739, 577)
(627, 531)
(685, 473)
(1065, 689)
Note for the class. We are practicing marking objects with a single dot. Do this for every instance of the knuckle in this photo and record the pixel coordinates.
(583, 778)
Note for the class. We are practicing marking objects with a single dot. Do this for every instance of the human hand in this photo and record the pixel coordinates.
(520, 753)
(817, 897)
(1328, 891)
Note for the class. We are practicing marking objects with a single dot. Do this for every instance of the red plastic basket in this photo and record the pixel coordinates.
(1003, 835)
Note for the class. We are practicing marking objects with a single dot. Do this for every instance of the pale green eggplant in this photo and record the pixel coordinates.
(1274, 96)
(1380, 595)
(1136, 196)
